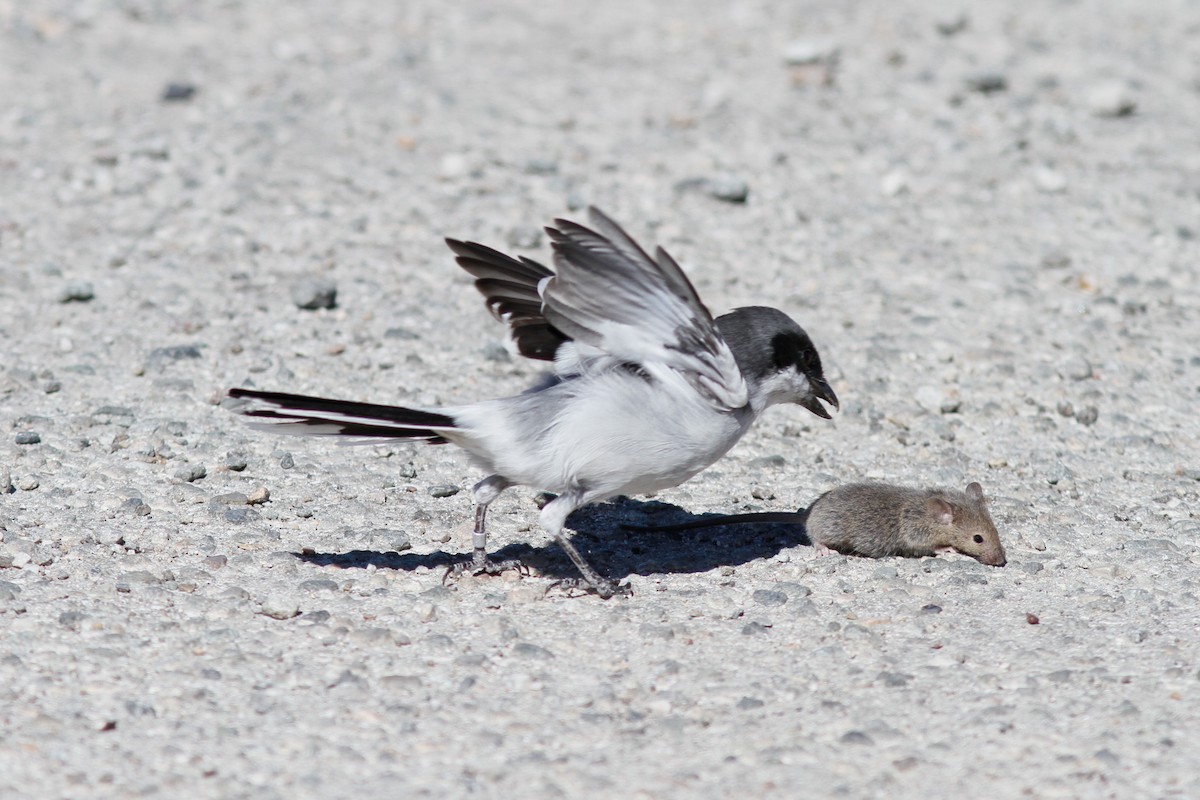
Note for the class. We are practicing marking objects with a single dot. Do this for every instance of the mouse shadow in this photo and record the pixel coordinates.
(614, 550)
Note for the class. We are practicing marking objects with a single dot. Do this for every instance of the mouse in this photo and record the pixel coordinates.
(879, 519)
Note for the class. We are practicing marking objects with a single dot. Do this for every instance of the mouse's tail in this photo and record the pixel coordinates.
(369, 423)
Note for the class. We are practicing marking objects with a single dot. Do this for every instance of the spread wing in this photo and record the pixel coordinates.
(610, 295)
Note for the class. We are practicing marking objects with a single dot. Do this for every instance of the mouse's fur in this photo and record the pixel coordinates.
(876, 519)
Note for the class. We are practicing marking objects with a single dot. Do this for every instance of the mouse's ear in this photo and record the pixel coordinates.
(975, 491)
(940, 511)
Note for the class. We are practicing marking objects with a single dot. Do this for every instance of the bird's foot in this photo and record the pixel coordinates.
(602, 587)
(482, 565)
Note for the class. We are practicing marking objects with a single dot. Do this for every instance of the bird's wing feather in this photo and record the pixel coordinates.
(510, 289)
(610, 295)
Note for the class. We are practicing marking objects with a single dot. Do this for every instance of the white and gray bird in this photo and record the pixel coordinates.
(647, 388)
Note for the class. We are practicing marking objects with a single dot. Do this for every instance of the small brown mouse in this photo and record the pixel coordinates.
(878, 520)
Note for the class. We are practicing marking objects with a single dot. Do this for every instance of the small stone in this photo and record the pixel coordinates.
(215, 562)
(1078, 368)
(71, 620)
(240, 516)
(805, 52)
(191, 473)
(6, 485)
(749, 703)
(28, 437)
(931, 608)
(528, 650)
(726, 188)
(140, 577)
(444, 490)
(893, 183)
(1032, 567)
(235, 462)
(1049, 181)
(1065, 408)
(886, 571)
(258, 496)
(311, 294)
(178, 92)
(76, 292)
(1032, 619)
(52, 387)
(540, 165)
(987, 82)
(135, 506)
(21, 559)
(286, 461)
(856, 737)
(894, 678)
(769, 597)
(1110, 99)
(1056, 259)
(230, 499)
(754, 629)
(1087, 415)
(768, 462)
(279, 608)
(161, 356)
(403, 334)
(950, 26)
(319, 585)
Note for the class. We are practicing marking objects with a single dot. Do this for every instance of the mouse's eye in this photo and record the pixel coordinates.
(978, 539)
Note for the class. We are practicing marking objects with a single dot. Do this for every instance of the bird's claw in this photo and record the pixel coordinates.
(603, 588)
(485, 566)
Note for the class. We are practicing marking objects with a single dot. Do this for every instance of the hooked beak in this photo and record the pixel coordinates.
(820, 391)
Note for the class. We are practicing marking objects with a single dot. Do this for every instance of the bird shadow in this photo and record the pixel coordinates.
(614, 550)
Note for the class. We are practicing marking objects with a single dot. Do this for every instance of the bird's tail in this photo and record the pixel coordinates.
(280, 412)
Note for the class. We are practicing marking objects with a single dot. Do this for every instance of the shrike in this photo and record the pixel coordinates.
(647, 388)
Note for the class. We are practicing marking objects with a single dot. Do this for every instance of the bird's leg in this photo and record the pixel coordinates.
(485, 492)
(554, 515)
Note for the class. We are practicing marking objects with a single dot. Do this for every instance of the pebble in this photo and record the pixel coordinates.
(235, 462)
(27, 483)
(1078, 368)
(856, 737)
(191, 473)
(727, 188)
(258, 496)
(893, 183)
(286, 461)
(311, 294)
(444, 490)
(804, 52)
(1087, 415)
(279, 608)
(178, 92)
(1110, 99)
(28, 437)
(6, 486)
(1049, 181)
(76, 292)
(215, 562)
(987, 82)
(136, 506)
(769, 597)
(952, 25)
(161, 356)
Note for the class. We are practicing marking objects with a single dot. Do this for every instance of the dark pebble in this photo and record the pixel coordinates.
(235, 462)
(769, 597)
(444, 490)
(77, 292)
(178, 92)
(311, 294)
(191, 473)
(28, 437)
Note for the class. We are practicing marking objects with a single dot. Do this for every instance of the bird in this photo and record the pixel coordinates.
(646, 387)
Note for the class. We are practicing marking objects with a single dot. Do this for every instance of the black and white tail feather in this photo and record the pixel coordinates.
(356, 423)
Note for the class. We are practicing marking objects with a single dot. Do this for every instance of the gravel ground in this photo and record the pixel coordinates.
(986, 215)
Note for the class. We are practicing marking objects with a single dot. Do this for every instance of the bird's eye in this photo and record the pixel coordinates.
(978, 539)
